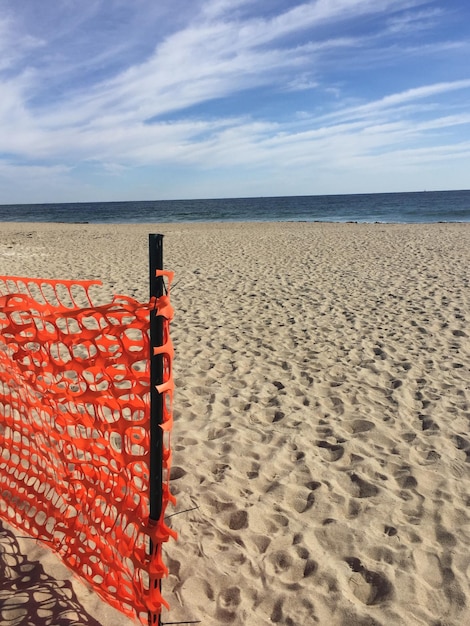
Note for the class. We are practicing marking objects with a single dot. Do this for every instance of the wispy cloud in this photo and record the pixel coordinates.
(414, 20)
(14, 49)
(206, 60)
(394, 102)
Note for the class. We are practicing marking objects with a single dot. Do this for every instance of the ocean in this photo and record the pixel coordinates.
(408, 208)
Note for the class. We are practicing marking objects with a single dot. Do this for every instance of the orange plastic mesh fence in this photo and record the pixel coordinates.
(74, 433)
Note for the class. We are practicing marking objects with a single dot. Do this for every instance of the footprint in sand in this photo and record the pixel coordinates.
(369, 587)
(427, 423)
(463, 444)
(291, 565)
(302, 499)
(391, 531)
(278, 416)
(261, 542)
(330, 452)
(428, 567)
(361, 488)
(176, 473)
(304, 612)
(238, 520)
(254, 472)
(404, 478)
(359, 426)
(228, 602)
(218, 470)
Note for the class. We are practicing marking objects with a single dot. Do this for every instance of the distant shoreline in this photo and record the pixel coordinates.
(396, 208)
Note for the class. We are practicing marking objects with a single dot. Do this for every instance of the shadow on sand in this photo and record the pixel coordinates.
(29, 596)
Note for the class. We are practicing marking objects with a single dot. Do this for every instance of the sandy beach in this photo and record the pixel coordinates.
(321, 447)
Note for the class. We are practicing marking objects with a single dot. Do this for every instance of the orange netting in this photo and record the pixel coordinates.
(74, 433)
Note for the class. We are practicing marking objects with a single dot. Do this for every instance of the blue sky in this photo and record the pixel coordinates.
(144, 100)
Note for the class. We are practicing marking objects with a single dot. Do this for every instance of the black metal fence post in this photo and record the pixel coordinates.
(156, 378)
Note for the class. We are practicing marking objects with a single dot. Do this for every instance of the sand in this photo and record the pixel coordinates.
(322, 414)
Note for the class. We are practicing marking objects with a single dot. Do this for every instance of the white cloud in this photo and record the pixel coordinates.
(413, 21)
(418, 93)
(394, 102)
(221, 8)
(13, 48)
(208, 59)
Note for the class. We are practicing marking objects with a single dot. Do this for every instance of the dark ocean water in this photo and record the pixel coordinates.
(418, 207)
